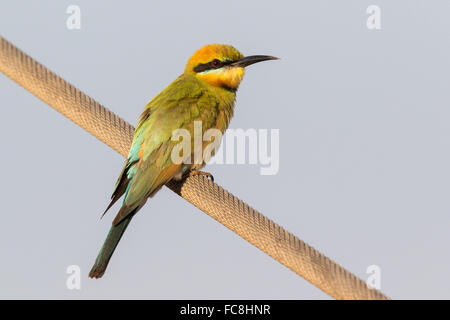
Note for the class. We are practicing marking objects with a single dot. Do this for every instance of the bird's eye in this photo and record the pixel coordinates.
(216, 63)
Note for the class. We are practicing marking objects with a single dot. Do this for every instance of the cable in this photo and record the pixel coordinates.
(209, 197)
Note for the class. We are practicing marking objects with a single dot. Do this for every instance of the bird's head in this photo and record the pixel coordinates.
(221, 65)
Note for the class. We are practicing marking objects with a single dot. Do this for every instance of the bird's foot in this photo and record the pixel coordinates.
(201, 173)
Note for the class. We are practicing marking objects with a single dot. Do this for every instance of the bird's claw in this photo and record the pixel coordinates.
(201, 173)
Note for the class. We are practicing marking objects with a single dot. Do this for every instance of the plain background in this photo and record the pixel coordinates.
(364, 123)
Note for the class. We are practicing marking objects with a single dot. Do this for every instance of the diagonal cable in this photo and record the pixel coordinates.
(209, 197)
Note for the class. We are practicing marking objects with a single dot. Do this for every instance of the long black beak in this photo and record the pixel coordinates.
(246, 61)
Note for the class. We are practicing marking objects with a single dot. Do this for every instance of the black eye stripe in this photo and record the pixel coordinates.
(209, 66)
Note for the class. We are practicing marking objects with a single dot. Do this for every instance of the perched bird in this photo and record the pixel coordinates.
(205, 92)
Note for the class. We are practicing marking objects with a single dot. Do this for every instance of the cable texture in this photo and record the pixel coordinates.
(198, 190)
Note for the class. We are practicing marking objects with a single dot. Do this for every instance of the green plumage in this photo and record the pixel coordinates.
(205, 92)
(149, 165)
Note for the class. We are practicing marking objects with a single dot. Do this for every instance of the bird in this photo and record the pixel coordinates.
(206, 92)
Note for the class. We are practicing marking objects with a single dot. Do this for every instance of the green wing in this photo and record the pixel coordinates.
(149, 165)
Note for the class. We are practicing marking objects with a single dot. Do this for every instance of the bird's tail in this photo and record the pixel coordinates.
(113, 238)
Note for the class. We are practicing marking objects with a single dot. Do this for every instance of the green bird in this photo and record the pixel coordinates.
(205, 92)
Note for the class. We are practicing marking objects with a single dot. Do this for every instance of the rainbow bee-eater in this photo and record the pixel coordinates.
(205, 92)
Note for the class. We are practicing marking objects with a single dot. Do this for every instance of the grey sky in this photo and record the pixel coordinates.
(364, 157)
